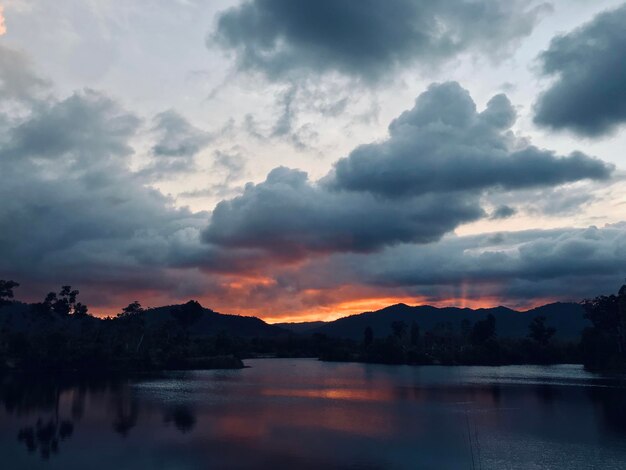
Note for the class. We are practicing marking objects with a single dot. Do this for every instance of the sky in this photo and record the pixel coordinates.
(301, 160)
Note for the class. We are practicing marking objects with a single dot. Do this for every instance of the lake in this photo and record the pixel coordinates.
(303, 413)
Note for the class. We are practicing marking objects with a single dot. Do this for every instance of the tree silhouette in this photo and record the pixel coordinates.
(133, 325)
(415, 334)
(188, 314)
(134, 308)
(466, 329)
(81, 310)
(399, 329)
(604, 313)
(604, 345)
(6, 291)
(63, 304)
(539, 332)
(483, 330)
(368, 336)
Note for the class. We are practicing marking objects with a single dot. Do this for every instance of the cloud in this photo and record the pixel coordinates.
(588, 96)
(292, 103)
(443, 144)
(18, 80)
(284, 124)
(74, 212)
(422, 182)
(368, 39)
(177, 137)
(292, 217)
(516, 268)
(178, 142)
(518, 265)
(231, 166)
(503, 212)
(561, 201)
(85, 127)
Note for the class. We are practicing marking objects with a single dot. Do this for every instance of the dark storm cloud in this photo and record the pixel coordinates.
(533, 255)
(516, 266)
(86, 127)
(503, 212)
(368, 38)
(443, 144)
(289, 214)
(588, 96)
(72, 211)
(425, 180)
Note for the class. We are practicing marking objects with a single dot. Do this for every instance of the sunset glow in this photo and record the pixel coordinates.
(3, 28)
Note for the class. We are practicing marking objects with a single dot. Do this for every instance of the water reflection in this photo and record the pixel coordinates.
(307, 414)
(183, 418)
(610, 405)
(45, 437)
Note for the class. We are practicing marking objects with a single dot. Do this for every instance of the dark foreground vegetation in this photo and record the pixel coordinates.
(60, 334)
(600, 347)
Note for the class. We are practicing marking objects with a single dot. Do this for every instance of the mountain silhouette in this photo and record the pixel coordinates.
(210, 322)
(24, 317)
(567, 318)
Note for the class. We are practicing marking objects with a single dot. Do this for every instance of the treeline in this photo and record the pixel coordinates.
(476, 344)
(59, 333)
(601, 346)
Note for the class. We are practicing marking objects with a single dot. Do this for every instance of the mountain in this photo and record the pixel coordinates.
(302, 327)
(567, 318)
(210, 322)
(20, 316)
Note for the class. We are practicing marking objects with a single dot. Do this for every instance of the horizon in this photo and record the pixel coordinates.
(356, 310)
(267, 161)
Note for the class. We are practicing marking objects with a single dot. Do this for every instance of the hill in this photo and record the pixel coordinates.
(301, 327)
(20, 316)
(210, 322)
(567, 318)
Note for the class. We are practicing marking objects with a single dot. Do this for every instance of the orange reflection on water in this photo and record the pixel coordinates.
(331, 394)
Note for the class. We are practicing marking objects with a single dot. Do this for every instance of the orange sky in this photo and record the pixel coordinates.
(3, 28)
(331, 310)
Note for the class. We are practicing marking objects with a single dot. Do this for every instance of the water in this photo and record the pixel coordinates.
(302, 413)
